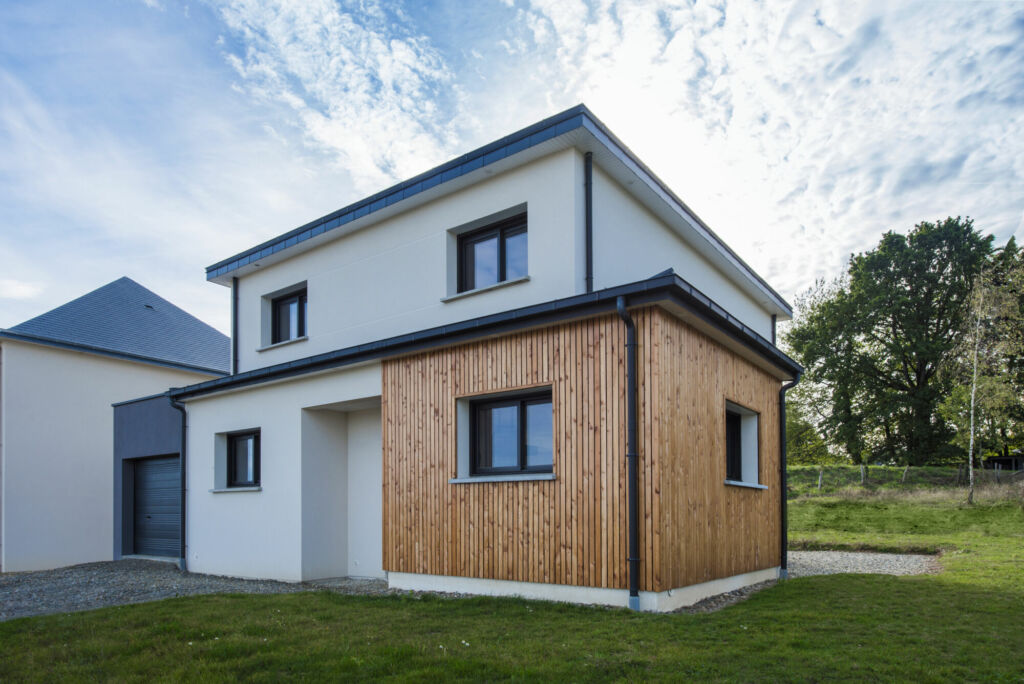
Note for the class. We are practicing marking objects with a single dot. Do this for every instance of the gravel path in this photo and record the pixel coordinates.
(95, 585)
(805, 563)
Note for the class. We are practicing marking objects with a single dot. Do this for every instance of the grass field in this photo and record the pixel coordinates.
(963, 624)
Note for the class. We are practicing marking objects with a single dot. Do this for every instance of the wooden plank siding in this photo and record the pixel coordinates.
(572, 530)
(711, 530)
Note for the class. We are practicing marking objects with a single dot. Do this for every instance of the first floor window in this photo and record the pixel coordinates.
(289, 317)
(244, 459)
(512, 434)
(493, 254)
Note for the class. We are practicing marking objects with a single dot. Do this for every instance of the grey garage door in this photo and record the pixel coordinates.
(157, 507)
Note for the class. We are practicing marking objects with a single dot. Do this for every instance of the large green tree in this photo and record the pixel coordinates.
(874, 341)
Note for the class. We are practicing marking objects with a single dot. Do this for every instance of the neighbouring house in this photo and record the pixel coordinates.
(59, 374)
(529, 371)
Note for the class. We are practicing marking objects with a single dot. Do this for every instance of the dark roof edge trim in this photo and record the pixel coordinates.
(518, 141)
(660, 288)
(563, 122)
(602, 133)
(99, 351)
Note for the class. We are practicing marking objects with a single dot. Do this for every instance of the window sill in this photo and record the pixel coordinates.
(525, 477)
(283, 344)
(495, 286)
(748, 485)
(227, 490)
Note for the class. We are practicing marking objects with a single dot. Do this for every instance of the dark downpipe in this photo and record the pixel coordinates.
(588, 213)
(182, 561)
(784, 479)
(631, 470)
(234, 326)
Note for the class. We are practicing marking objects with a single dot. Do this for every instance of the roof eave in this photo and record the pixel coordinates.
(111, 353)
(665, 288)
(398, 197)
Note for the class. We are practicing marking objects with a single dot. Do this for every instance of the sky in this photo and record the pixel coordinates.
(151, 138)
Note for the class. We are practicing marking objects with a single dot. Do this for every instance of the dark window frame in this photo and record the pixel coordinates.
(520, 400)
(276, 304)
(733, 446)
(502, 230)
(232, 476)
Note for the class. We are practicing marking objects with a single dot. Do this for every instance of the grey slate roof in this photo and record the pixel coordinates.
(126, 320)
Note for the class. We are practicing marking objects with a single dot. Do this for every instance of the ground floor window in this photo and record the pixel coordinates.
(244, 459)
(741, 444)
(512, 433)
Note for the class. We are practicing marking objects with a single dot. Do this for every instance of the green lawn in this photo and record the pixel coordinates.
(964, 624)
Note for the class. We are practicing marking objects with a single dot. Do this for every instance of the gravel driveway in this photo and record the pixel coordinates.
(804, 563)
(95, 585)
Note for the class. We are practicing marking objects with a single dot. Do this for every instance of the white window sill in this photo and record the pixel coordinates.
(749, 485)
(283, 344)
(495, 286)
(525, 477)
(227, 490)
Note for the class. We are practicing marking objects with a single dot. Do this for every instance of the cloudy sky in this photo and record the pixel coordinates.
(151, 139)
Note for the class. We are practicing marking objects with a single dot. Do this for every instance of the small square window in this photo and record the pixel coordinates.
(289, 317)
(493, 254)
(244, 460)
(512, 434)
(741, 444)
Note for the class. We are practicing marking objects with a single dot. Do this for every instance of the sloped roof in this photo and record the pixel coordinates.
(126, 320)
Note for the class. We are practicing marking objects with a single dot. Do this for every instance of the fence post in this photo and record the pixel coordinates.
(821, 474)
(903, 480)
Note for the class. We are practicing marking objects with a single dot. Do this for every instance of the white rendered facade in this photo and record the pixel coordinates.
(56, 440)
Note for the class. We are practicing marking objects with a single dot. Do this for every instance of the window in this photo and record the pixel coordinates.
(741, 445)
(512, 434)
(289, 317)
(493, 254)
(244, 460)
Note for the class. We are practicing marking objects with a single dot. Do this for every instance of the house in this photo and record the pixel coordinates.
(59, 374)
(529, 371)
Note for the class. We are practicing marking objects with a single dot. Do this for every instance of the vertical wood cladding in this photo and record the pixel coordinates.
(572, 530)
(712, 530)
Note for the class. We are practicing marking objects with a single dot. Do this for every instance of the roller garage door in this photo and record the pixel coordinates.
(157, 496)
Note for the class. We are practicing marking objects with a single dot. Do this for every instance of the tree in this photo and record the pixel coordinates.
(804, 445)
(985, 408)
(874, 341)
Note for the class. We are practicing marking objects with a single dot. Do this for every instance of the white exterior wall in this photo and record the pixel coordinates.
(390, 278)
(295, 527)
(365, 495)
(631, 244)
(58, 444)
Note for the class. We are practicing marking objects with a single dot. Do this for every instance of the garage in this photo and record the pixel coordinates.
(157, 504)
(147, 481)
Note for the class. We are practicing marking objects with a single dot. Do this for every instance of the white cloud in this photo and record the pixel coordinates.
(799, 132)
(371, 95)
(18, 289)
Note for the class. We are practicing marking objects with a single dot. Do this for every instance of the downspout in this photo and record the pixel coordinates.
(182, 561)
(784, 481)
(588, 216)
(234, 326)
(631, 470)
